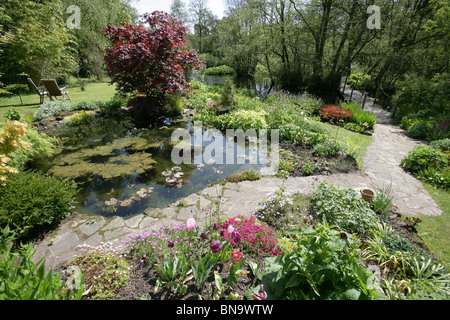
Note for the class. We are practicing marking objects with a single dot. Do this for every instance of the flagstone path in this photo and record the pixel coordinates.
(381, 168)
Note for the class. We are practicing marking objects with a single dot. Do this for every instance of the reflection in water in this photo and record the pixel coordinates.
(261, 86)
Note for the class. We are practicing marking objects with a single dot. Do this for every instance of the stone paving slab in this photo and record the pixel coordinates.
(381, 168)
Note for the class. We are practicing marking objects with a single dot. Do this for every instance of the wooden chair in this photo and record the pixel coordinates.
(39, 90)
(54, 90)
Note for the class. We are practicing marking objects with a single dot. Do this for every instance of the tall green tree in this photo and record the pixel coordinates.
(203, 23)
(41, 45)
(89, 41)
(178, 10)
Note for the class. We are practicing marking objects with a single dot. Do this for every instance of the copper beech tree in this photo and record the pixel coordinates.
(153, 61)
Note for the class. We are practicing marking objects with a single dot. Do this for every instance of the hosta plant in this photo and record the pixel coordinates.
(322, 264)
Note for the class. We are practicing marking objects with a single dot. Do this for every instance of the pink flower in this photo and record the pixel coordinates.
(230, 229)
(260, 296)
(190, 224)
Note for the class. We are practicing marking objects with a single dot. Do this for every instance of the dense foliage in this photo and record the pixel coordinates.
(31, 202)
(23, 279)
(430, 163)
(150, 61)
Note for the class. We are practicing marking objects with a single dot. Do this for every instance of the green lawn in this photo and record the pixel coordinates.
(93, 92)
(435, 230)
(344, 136)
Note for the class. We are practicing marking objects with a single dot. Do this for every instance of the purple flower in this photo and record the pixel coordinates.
(215, 246)
(170, 244)
(204, 236)
(235, 236)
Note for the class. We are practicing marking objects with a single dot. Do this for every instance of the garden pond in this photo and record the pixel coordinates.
(122, 170)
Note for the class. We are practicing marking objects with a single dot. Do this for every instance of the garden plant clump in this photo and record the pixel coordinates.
(430, 163)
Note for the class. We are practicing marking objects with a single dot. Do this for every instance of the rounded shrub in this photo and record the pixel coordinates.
(423, 157)
(245, 120)
(32, 202)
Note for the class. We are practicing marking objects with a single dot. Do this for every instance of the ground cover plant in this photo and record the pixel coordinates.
(430, 163)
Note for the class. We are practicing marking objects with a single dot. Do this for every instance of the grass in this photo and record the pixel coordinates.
(344, 136)
(93, 92)
(435, 230)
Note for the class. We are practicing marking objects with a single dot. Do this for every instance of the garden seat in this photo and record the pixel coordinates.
(54, 90)
(39, 90)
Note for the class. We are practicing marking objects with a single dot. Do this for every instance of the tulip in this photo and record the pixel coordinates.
(170, 244)
(235, 237)
(236, 256)
(260, 296)
(215, 246)
(204, 236)
(190, 224)
(230, 229)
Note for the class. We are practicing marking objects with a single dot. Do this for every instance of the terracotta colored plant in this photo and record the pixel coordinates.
(333, 113)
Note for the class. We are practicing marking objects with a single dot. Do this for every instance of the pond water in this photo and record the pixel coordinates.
(261, 86)
(112, 161)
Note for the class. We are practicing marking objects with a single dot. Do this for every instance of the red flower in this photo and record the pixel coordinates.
(236, 256)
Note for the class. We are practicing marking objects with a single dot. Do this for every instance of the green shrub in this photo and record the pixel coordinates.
(306, 103)
(423, 95)
(443, 144)
(220, 71)
(322, 264)
(245, 120)
(32, 202)
(175, 103)
(343, 207)
(239, 177)
(361, 81)
(420, 129)
(423, 157)
(360, 120)
(118, 101)
(437, 178)
(328, 148)
(84, 105)
(227, 97)
(13, 115)
(22, 279)
(209, 60)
